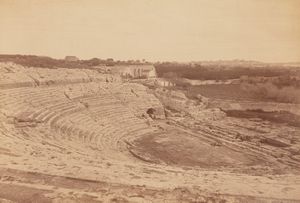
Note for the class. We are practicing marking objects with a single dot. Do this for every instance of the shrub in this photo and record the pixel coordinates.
(287, 94)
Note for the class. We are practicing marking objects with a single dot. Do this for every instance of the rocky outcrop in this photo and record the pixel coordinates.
(197, 108)
(13, 76)
(139, 98)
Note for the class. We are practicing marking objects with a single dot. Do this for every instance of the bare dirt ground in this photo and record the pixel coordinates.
(91, 142)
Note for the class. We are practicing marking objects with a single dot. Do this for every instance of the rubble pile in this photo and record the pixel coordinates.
(197, 108)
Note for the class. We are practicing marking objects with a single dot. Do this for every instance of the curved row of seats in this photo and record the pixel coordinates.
(228, 138)
(94, 117)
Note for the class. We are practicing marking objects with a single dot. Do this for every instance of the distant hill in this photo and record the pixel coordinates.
(224, 70)
(48, 62)
(244, 63)
(41, 61)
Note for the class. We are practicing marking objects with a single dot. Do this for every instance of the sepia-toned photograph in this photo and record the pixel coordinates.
(149, 101)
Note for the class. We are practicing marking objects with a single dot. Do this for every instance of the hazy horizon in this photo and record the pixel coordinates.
(170, 30)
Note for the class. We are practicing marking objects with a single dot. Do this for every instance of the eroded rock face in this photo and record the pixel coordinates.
(176, 100)
(139, 98)
(13, 75)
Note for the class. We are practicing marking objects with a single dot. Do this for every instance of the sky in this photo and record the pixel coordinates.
(155, 30)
